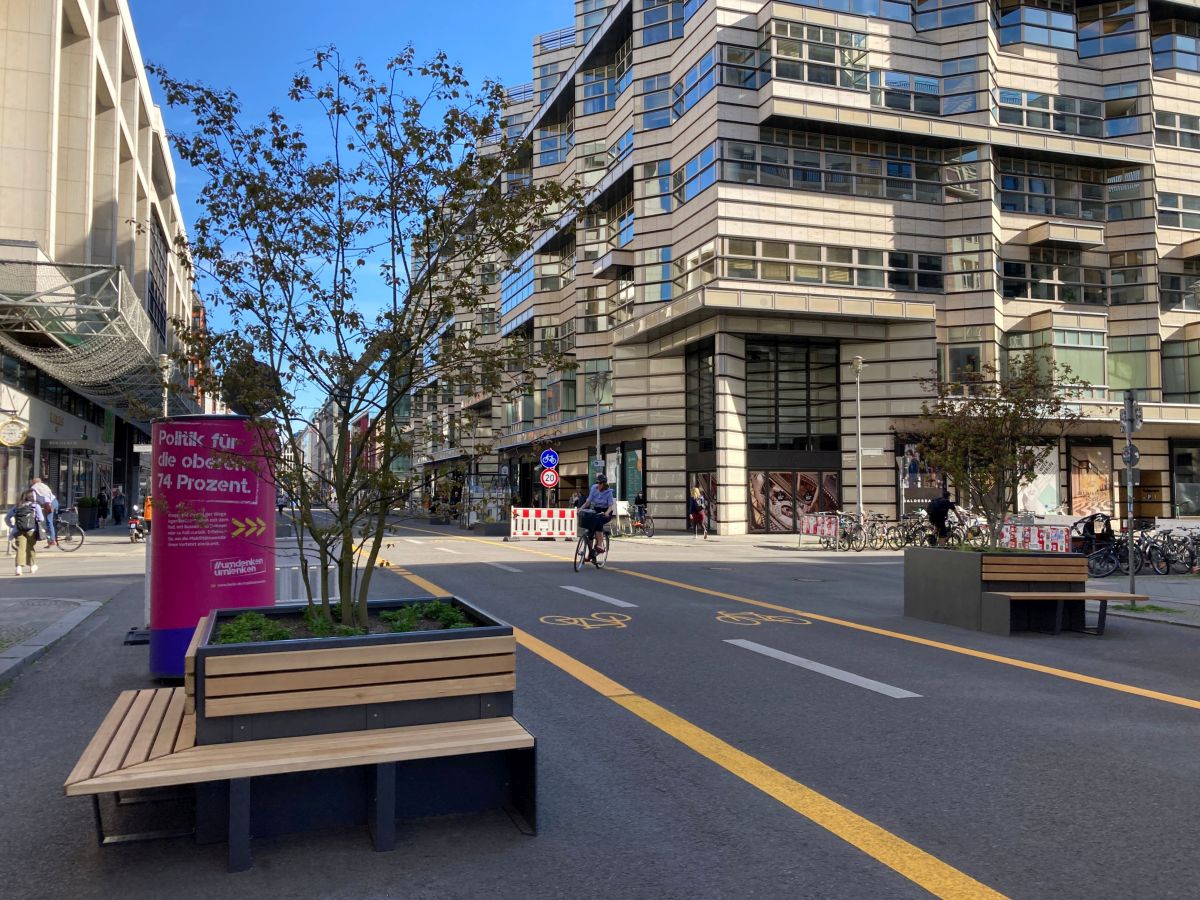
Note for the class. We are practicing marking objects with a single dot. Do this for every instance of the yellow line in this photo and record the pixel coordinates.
(1065, 674)
(919, 867)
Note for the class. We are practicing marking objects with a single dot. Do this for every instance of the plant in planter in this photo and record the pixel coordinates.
(89, 512)
(988, 431)
(282, 238)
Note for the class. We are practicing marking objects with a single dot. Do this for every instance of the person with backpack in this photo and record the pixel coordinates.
(698, 512)
(27, 521)
(44, 495)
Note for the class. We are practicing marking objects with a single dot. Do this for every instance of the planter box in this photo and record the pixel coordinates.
(947, 586)
(89, 517)
(329, 685)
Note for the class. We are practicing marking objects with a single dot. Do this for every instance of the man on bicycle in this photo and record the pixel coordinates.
(600, 500)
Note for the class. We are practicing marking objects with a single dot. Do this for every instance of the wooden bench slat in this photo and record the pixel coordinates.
(311, 679)
(213, 762)
(115, 754)
(139, 750)
(187, 733)
(98, 745)
(1031, 576)
(352, 696)
(285, 661)
(189, 656)
(1034, 561)
(1073, 567)
(1068, 595)
(164, 740)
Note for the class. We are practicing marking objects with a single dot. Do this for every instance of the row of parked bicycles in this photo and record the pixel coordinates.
(1162, 551)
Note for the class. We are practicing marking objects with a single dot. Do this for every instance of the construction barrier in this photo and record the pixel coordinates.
(536, 522)
(1051, 538)
(819, 525)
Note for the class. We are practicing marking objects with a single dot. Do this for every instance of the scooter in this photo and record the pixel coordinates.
(137, 532)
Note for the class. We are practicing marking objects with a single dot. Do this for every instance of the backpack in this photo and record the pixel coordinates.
(25, 519)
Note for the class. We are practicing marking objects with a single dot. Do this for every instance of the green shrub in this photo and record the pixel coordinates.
(407, 618)
(250, 628)
(86, 502)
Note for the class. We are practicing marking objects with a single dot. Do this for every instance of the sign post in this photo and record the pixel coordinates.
(213, 541)
(1131, 421)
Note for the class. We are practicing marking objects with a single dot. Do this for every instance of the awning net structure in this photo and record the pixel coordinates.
(85, 326)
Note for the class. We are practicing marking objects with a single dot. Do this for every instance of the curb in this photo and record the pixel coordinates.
(14, 659)
(1123, 615)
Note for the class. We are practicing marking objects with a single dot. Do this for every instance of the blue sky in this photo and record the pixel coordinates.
(255, 46)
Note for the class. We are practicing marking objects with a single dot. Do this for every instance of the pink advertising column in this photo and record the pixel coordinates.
(212, 541)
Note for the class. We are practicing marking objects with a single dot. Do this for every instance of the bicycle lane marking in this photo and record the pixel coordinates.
(923, 869)
(1065, 674)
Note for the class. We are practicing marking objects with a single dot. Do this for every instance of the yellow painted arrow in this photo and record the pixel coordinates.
(241, 526)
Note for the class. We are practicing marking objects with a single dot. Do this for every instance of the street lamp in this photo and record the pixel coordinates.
(598, 381)
(857, 365)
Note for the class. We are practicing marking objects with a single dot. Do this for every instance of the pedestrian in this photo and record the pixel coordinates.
(147, 512)
(698, 512)
(914, 470)
(102, 506)
(939, 516)
(118, 505)
(27, 521)
(49, 505)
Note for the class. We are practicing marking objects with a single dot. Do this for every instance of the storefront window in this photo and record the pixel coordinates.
(1091, 480)
(779, 499)
(1185, 465)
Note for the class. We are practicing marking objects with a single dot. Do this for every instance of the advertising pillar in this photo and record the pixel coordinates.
(213, 532)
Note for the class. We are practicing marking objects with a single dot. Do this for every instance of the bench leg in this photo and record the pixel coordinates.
(1101, 617)
(381, 806)
(1058, 617)
(522, 808)
(239, 825)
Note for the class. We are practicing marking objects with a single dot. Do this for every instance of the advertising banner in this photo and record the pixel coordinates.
(1052, 538)
(212, 544)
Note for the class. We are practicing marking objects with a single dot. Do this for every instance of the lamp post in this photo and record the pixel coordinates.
(857, 365)
(598, 381)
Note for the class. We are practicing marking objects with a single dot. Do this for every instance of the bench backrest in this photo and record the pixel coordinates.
(246, 684)
(1063, 569)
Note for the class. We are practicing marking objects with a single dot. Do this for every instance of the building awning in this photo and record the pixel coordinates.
(85, 326)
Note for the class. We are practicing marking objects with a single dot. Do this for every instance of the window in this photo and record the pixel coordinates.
(156, 278)
(1179, 211)
(1175, 44)
(654, 274)
(1053, 273)
(597, 90)
(791, 395)
(662, 20)
(1177, 130)
(823, 56)
(1075, 192)
(1128, 276)
(883, 9)
(1182, 290)
(1129, 362)
(698, 173)
(701, 409)
(1066, 115)
(553, 142)
(930, 14)
(751, 260)
(906, 92)
(516, 286)
(1083, 351)
(1107, 28)
(1050, 23)
(653, 188)
(1185, 472)
(1181, 371)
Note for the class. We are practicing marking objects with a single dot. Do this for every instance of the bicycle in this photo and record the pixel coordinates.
(643, 522)
(585, 550)
(68, 535)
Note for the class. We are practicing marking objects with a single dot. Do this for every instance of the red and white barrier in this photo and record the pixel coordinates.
(535, 522)
(1051, 538)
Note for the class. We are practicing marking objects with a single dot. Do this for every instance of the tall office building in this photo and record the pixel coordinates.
(778, 188)
(89, 279)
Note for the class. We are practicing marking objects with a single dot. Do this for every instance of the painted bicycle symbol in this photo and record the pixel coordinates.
(753, 618)
(595, 620)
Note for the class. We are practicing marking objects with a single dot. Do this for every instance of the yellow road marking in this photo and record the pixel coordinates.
(1066, 674)
(919, 867)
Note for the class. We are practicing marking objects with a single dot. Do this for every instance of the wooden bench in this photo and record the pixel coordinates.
(236, 719)
(1043, 580)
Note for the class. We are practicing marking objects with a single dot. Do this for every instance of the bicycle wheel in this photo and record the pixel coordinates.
(858, 539)
(1180, 557)
(581, 553)
(878, 538)
(1160, 562)
(1102, 563)
(648, 525)
(895, 537)
(69, 537)
(1123, 559)
(600, 557)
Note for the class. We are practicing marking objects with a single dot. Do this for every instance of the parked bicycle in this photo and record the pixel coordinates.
(68, 536)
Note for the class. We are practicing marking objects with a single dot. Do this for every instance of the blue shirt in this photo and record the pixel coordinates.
(600, 499)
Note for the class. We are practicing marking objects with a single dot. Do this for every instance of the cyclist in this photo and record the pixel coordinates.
(639, 507)
(600, 500)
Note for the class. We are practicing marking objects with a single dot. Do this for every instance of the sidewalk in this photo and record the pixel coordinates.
(38, 609)
(1173, 598)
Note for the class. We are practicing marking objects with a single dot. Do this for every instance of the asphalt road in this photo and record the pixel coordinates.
(837, 750)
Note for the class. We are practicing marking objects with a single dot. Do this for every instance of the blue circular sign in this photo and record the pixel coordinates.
(549, 459)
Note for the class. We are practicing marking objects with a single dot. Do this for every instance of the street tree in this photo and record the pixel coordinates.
(988, 432)
(354, 256)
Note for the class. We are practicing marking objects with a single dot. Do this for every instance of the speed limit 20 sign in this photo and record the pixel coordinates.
(549, 478)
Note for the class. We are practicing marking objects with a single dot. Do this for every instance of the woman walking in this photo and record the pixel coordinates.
(27, 521)
(698, 512)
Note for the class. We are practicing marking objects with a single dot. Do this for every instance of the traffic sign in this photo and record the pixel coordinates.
(549, 478)
(142, 448)
(1131, 455)
(549, 459)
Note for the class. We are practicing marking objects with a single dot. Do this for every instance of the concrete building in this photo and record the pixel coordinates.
(777, 188)
(89, 280)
